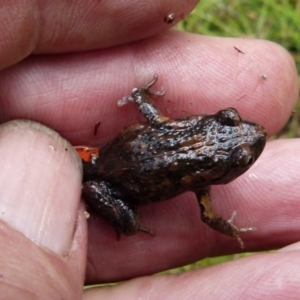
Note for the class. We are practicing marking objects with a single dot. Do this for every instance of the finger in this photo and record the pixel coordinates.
(41, 233)
(286, 87)
(65, 26)
(265, 197)
(258, 276)
(72, 93)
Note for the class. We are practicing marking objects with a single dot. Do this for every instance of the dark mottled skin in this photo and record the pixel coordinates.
(165, 157)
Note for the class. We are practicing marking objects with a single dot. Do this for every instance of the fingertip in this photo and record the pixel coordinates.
(40, 182)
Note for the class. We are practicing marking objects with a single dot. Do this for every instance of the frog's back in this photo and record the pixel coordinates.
(159, 161)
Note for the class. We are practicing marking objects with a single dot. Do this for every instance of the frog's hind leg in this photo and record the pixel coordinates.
(215, 221)
(106, 202)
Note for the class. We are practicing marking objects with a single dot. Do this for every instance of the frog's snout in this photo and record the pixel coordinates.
(260, 142)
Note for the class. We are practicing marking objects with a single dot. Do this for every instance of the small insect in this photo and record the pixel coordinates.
(169, 18)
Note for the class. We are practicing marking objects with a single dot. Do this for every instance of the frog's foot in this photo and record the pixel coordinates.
(147, 87)
(105, 200)
(138, 94)
(216, 222)
(237, 230)
(141, 228)
(146, 230)
(140, 97)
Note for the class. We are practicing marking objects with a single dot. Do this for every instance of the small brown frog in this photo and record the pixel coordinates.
(164, 157)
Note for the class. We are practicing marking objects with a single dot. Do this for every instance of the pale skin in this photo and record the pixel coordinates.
(44, 237)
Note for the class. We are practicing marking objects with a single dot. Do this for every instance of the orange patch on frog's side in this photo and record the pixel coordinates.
(87, 153)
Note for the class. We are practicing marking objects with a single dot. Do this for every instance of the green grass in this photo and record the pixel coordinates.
(248, 18)
(209, 261)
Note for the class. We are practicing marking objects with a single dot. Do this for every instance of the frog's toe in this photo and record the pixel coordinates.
(236, 230)
(146, 230)
(244, 229)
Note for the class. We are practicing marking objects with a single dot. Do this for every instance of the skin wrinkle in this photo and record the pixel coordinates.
(37, 24)
(92, 24)
(27, 293)
(17, 16)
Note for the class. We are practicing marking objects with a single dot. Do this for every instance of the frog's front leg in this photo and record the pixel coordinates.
(106, 202)
(145, 105)
(215, 221)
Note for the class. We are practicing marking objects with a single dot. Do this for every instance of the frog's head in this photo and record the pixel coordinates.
(244, 141)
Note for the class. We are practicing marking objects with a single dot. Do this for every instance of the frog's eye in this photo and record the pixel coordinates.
(228, 117)
(243, 156)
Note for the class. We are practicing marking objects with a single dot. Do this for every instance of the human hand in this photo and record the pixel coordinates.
(43, 233)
